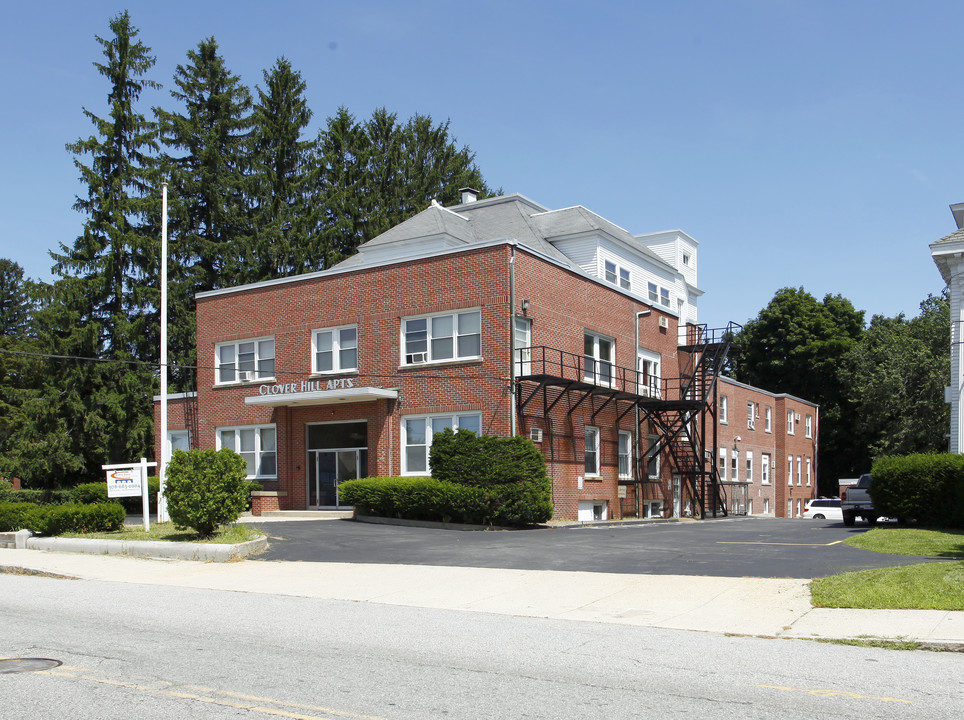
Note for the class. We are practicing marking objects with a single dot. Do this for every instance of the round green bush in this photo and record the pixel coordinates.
(206, 489)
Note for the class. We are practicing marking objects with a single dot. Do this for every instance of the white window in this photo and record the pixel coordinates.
(522, 329)
(417, 432)
(799, 470)
(617, 275)
(437, 338)
(789, 470)
(652, 458)
(809, 426)
(722, 464)
(257, 444)
(735, 466)
(766, 506)
(592, 450)
(664, 297)
(335, 350)
(625, 454)
(751, 415)
(768, 421)
(749, 466)
(245, 360)
(808, 472)
(723, 420)
(765, 469)
(789, 508)
(179, 440)
(686, 259)
(599, 354)
(653, 293)
(647, 373)
(789, 422)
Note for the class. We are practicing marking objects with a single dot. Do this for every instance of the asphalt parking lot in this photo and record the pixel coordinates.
(732, 547)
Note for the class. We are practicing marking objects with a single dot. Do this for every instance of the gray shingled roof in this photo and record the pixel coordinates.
(956, 236)
(511, 217)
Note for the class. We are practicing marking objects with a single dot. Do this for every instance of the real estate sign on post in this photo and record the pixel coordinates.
(130, 480)
(124, 482)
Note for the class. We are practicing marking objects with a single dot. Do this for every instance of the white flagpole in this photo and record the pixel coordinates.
(162, 515)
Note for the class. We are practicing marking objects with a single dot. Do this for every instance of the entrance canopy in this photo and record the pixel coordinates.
(322, 397)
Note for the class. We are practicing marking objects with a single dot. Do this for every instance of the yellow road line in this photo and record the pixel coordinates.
(223, 698)
(819, 692)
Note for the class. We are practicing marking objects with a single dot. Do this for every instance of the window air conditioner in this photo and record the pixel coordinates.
(663, 322)
(416, 357)
(244, 375)
(535, 435)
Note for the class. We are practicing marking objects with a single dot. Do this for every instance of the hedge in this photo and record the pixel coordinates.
(426, 498)
(928, 488)
(57, 519)
(13, 515)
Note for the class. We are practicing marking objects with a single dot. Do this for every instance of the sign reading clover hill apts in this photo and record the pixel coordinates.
(306, 386)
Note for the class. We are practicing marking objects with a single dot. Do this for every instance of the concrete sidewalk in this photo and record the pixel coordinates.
(742, 606)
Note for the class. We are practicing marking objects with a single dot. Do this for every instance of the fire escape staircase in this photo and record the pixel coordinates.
(681, 411)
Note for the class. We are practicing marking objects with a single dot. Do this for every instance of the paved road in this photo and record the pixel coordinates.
(735, 547)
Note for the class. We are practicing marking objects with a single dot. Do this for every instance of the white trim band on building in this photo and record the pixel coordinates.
(322, 397)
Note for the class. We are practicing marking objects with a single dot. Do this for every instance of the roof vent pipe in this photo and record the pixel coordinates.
(469, 195)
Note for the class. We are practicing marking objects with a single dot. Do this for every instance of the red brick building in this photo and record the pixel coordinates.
(502, 317)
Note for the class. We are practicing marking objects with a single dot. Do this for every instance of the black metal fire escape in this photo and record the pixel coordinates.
(681, 411)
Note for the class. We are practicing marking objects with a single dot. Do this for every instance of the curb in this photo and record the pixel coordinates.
(204, 552)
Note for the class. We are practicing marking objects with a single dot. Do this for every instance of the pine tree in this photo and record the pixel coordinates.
(103, 304)
(282, 207)
(339, 184)
(207, 160)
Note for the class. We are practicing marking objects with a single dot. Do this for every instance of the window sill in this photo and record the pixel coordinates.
(245, 383)
(334, 373)
(441, 363)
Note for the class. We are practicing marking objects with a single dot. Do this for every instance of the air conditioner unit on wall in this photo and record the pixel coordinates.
(797, 417)
(244, 375)
(535, 435)
(416, 357)
(663, 322)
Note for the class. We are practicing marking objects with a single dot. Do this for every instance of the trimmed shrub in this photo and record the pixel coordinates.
(485, 461)
(14, 515)
(39, 496)
(88, 493)
(416, 498)
(74, 517)
(206, 489)
(928, 488)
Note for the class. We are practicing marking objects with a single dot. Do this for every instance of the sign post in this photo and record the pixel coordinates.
(130, 480)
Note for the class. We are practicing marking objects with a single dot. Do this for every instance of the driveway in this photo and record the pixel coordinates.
(733, 547)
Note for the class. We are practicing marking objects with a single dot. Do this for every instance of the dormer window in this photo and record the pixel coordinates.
(686, 259)
(617, 275)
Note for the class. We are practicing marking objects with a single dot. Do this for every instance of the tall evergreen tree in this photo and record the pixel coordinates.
(339, 185)
(104, 301)
(282, 207)
(207, 159)
(374, 175)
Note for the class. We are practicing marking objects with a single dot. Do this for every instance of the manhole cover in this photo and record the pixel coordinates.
(15, 665)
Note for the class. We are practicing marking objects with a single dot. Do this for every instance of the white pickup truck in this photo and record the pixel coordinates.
(857, 503)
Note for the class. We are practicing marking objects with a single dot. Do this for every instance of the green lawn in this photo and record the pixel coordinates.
(227, 535)
(932, 586)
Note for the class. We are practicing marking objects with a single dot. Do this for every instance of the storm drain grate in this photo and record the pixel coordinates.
(15, 665)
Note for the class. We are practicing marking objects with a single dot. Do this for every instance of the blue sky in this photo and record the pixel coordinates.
(803, 143)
